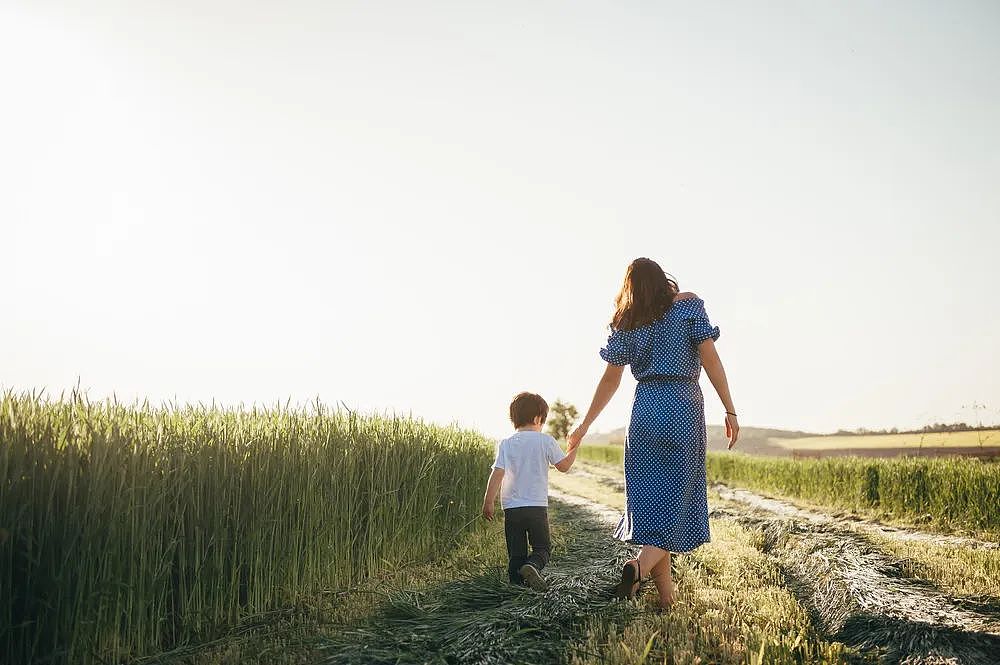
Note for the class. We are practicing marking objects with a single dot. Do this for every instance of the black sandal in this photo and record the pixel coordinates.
(631, 577)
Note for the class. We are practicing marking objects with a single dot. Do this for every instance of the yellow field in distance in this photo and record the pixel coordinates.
(928, 440)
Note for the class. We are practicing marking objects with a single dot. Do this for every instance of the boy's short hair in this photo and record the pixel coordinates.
(525, 407)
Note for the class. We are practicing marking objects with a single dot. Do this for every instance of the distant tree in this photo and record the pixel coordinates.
(561, 419)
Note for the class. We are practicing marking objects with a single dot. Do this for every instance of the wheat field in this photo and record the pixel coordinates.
(126, 530)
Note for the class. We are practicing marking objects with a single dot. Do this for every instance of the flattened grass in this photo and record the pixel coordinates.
(478, 617)
(733, 603)
(732, 607)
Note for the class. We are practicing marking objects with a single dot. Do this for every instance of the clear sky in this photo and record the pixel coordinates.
(427, 207)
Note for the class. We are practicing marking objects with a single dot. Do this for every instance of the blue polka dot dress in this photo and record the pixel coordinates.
(665, 495)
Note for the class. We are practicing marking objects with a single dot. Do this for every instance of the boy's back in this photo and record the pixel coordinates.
(521, 477)
(525, 458)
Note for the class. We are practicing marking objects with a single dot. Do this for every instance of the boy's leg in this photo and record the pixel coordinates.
(517, 542)
(538, 535)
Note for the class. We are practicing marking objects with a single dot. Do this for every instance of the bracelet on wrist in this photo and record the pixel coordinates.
(730, 413)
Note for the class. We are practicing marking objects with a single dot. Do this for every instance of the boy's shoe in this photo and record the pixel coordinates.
(532, 577)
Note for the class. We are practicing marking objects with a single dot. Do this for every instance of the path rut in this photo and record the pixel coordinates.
(786, 509)
(856, 593)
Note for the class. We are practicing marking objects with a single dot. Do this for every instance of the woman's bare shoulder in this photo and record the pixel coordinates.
(686, 295)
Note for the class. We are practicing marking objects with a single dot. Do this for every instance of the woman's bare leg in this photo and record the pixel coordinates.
(663, 580)
(649, 557)
(650, 561)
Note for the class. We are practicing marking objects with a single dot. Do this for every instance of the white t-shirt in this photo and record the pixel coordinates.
(525, 458)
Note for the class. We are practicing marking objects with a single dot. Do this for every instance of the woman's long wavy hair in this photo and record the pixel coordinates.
(646, 294)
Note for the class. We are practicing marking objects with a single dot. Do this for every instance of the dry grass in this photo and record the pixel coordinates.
(954, 564)
(733, 604)
(915, 440)
(733, 607)
(830, 568)
(863, 596)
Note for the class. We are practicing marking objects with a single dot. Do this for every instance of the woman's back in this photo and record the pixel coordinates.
(666, 347)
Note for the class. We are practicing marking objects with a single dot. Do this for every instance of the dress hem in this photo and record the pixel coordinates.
(663, 546)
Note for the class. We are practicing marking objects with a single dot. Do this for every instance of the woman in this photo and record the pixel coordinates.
(666, 338)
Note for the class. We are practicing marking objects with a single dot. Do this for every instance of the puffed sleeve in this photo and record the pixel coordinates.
(620, 348)
(699, 327)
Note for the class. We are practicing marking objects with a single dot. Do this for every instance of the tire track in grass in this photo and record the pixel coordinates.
(861, 596)
(481, 618)
(787, 509)
(719, 617)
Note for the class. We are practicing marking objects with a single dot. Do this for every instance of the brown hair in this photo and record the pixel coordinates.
(646, 294)
(525, 407)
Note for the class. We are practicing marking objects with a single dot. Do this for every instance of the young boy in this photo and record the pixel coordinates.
(521, 469)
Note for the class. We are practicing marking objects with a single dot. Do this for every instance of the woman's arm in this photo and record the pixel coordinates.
(712, 363)
(606, 388)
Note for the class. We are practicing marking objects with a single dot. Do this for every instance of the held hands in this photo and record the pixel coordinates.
(576, 437)
(732, 429)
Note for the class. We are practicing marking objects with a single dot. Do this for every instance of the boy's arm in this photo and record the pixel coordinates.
(492, 489)
(567, 462)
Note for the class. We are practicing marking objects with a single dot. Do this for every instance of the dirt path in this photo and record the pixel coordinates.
(604, 513)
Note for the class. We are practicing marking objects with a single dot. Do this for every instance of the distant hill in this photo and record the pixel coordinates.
(783, 442)
(753, 440)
